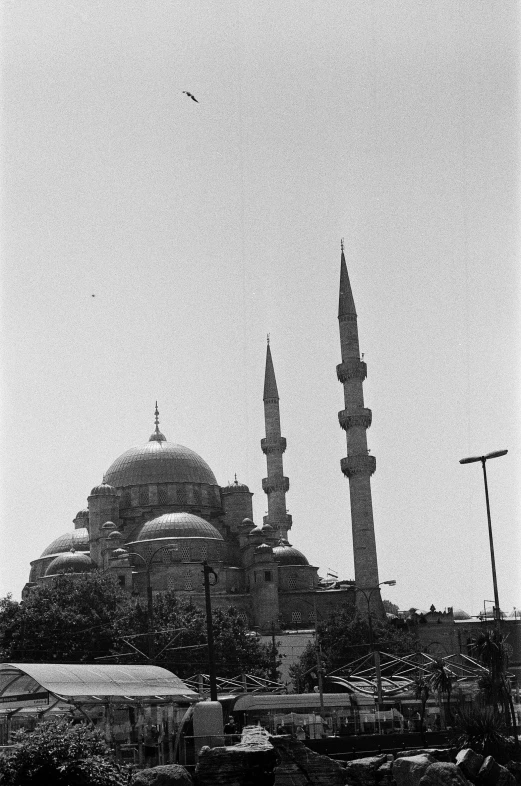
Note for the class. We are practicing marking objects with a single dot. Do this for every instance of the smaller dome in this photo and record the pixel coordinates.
(288, 555)
(108, 525)
(256, 531)
(236, 487)
(268, 528)
(459, 614)
(178, 525)
(247, 524)
(82, 514)
(72, 562)
(103, 490)
(263, 549)
(115, 535)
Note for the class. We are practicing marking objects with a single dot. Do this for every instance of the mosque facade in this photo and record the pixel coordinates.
(160, 513)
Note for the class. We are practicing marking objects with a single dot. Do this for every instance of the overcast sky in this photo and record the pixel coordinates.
(201, 227)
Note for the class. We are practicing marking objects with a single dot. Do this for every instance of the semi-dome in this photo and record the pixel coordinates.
(289, 555)
(159, 461)
(78, 540)
(178, 525)
(72, 562)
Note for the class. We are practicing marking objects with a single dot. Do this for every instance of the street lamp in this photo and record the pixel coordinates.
(484, 459)
(367, 593)
(122, 552)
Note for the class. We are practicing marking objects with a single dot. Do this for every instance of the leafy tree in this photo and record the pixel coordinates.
(180, 640)
(60, 753)
(68, 619)
(85, 618)
(344, 637)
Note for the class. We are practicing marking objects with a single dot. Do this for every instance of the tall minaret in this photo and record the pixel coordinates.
(273, 446)
(358, 466)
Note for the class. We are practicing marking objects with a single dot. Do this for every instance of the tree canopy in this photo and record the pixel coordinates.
(345, 636)
(91, 618)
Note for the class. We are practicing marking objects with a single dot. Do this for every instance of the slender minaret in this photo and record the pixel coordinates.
(358, 466)
(273, 446)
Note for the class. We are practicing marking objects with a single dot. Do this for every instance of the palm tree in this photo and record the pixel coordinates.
(494, 688)
(440, 680)
(421, 692)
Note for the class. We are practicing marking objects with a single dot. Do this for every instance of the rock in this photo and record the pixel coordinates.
(443, 773)
(514, 767)
(362, 772)
(469, 763)
(384, 774)
(300, 766)
(164, 775)
(236, 765)
(409, 770)
(489, 772)
(506, 778)
(440, 754)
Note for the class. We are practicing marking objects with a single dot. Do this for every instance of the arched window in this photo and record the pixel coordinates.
(188, 580)
(292, 581)
(296, 617)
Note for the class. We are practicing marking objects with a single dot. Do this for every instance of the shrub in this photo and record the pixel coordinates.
(482, 729)
(63, 754)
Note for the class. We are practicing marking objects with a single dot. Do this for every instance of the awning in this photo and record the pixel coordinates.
(28, 683)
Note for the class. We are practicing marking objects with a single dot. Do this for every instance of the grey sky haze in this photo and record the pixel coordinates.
(201, 227)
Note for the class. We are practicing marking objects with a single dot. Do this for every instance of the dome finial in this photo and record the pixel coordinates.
(157, 436)
(342, 245)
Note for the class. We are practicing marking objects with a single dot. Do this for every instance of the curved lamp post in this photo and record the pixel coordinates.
(122, 552)
(484, 459)
(367, 593)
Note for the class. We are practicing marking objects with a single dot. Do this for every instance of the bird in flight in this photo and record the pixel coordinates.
(190, 96)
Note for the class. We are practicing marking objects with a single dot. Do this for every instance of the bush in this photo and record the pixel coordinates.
(483, 729)
(62, 754)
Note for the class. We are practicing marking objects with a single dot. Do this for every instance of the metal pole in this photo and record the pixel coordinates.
(497, 612)
(319, 666)
(207, 570)
(150, 617)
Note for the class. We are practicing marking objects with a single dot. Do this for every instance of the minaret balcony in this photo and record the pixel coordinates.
(358, 464)
(273, 445)
(269, 485)
(348, 418)
(351, 369)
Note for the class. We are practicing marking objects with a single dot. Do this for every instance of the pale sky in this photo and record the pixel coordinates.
(201, 227)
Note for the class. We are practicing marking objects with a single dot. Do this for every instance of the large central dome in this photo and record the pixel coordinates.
(159, 461)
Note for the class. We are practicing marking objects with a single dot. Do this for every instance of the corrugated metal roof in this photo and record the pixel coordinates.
(280, 702)
(72, 679)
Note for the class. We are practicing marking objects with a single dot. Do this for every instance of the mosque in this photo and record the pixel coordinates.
(160, 512)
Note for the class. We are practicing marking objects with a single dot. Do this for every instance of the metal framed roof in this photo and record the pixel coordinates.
(67, 680)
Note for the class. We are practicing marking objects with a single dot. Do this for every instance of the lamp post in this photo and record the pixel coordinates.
(484, 459)
(207, 572)
(121, 552)
(367, 593)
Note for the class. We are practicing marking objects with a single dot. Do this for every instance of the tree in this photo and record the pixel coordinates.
(60, 753)
(344, 637)
(70, 619)
(180, 639)
(87, 618)
(440, 680)
(494, 687)
(422, 692)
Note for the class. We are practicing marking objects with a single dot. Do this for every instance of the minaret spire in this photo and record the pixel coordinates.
(358, 466)
(273, 446)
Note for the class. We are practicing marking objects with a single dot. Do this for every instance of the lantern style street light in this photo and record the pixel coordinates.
(484, 459)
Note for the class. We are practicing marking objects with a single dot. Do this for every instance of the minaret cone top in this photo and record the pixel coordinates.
(270, 384)
(346, 304)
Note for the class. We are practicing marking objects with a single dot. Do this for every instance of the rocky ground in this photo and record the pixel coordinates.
(263, 760)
